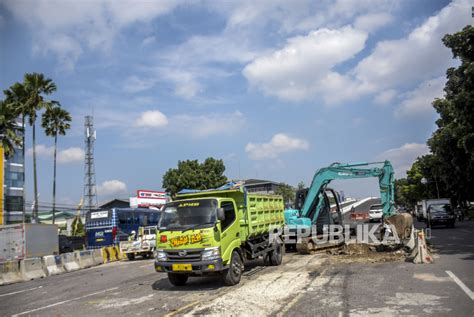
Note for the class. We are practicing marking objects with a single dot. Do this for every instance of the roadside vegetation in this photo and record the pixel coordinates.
(26, 101)
(449, 170)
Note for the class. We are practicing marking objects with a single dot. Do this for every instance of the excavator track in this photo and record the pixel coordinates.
(308, 246)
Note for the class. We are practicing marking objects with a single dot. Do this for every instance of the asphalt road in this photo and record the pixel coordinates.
(303, 285)
(400, 288)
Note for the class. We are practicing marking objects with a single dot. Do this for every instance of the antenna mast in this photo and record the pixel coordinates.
(90, 191)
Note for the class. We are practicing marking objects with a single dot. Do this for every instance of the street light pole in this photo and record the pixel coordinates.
(424, 181)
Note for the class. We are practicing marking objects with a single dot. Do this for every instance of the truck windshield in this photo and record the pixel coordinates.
(440, 208)
(189, 214)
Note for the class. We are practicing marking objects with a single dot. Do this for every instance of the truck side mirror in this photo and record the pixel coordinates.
(220, 214)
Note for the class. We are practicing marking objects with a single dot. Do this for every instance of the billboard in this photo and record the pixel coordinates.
(149, 198)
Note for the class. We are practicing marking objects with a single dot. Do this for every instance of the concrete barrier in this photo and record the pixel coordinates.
(113, 255)
(10, 272)
(53, 264)
(32, 269)
(105, 254)
(69, 261)
(97, 257)
(118, 253)
(84, 258)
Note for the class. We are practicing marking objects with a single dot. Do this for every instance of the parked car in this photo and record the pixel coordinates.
(441, 214)
(375, 213)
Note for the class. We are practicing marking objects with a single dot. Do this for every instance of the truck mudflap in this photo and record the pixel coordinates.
(191, 268)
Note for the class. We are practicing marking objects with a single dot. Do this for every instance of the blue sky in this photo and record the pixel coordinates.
(275, 88)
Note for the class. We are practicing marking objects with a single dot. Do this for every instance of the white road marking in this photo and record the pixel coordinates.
(22, 291)
(64, 302)
(461, 284)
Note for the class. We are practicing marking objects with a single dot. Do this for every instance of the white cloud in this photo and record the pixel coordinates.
(280, 143)
(41, 151)
(304, 66)
(65, 156)
(385, 97)
(403, 157)
(112, 187)
(186, 84)
(148, 40)
(372, 21)
(418, 101)
(418, 56)
(68, 28)
(207, 124)
(152, 119)
(71, 155)
(134, 84)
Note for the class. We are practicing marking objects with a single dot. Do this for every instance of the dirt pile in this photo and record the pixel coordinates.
(364, 253)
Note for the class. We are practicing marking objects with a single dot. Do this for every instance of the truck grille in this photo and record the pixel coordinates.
(179, 256)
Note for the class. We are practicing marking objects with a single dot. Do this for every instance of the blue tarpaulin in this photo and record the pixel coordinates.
(227, 186)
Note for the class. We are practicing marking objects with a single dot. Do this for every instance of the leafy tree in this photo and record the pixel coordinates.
(8, 127)
(423, 181)
(287, 191)
(77, 227)
(453, 142)
(35, 87)
(300, 186)
(55, 121)
(194, 175)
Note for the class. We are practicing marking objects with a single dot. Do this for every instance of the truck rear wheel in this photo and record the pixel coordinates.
(177, 279)
(130, 256)
(276, 256)
(234, 273)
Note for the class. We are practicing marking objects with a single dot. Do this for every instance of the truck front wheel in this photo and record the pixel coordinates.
(177, 279)
(234, 273)
(130, 256)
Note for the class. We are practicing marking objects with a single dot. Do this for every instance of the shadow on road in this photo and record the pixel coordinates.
(210, 282)
(193, 284)
(454, 241)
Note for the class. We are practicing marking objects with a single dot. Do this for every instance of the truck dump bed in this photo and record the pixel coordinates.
(263, 213)
(259, 213)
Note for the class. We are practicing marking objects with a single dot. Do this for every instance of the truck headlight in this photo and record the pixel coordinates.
(160, 256)
(211, 254)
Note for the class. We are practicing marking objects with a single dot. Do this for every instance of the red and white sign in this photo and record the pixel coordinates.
(149, 198)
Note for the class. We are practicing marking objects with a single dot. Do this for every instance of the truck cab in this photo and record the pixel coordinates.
(216, 233)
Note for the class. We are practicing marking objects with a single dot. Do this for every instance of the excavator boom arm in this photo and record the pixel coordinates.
(325, 175)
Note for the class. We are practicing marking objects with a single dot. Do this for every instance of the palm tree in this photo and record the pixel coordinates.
(55, 122)
(16, 98)
(36, 85)
(8, 126)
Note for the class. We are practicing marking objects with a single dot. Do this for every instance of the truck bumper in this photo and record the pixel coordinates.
(198, 268)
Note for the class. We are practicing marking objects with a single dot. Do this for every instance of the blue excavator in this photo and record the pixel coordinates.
(318, 205)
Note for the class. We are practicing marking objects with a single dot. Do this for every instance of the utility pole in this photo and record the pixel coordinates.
(90, 191)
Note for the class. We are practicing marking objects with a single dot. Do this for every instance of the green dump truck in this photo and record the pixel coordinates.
(217, 232)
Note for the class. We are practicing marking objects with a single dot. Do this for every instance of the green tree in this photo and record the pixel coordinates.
(16, 98)
(194, 175)
(55, 121)
(36, 86)
(453, 142)
(77, 227)
(8, 128)
(300, 186)
(287, 191)
(423, 181)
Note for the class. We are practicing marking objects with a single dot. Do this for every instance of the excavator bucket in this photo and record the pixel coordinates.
(403, 223)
